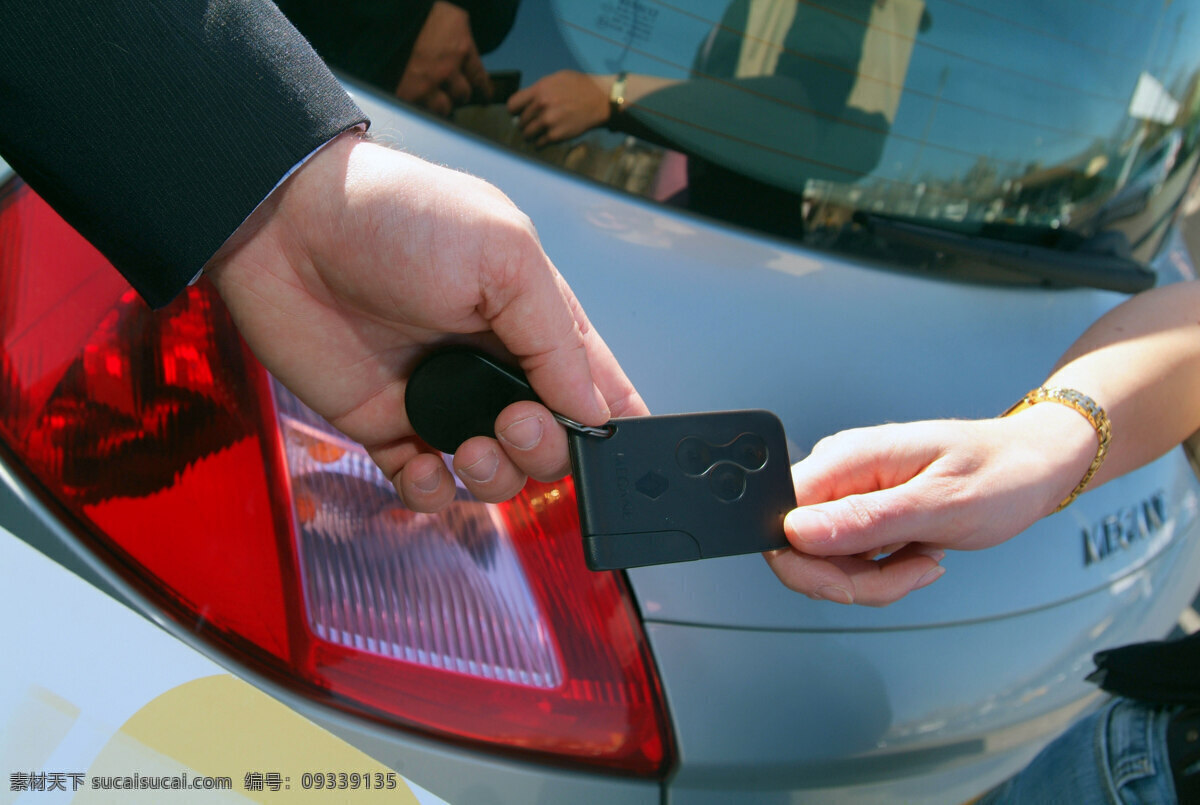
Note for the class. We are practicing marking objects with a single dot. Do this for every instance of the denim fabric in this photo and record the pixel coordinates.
(1117, 755)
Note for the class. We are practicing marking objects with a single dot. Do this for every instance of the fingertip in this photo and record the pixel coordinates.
(439, 103)
(807, 574)
(478, 470)
(533, 441)
(427, 483)
(424, 484)
(486, 470)
(931, 575)
(808, 527)
(835, 593)
(523, 433)
(932, 551)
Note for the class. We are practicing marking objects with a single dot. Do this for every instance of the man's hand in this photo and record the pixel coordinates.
(368, 257)
(905, 493)
(444, 68)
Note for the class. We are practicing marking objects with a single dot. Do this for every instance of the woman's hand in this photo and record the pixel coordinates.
(879, 506)
(561, 106)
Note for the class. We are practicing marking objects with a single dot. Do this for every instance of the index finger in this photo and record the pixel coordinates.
(476, 74)
(863, 460)
(614, 385)
(847, 580)
(519, 100)
(533, 313)
(457, 87)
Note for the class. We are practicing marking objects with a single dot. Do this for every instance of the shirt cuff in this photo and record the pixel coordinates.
(361, 127)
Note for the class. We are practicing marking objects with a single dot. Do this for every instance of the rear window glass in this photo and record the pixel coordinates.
(791, 116)
(1025, 121)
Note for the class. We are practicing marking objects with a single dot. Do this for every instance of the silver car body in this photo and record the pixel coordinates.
(773, 697)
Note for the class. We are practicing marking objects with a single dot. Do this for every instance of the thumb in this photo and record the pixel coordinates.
(862, 524)
(861, 490)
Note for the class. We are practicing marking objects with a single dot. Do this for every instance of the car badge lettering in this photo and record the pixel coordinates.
(1119, 531)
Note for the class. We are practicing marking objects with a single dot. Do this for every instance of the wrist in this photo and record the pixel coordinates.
(282, 225)
(1063, 443)
(616, 96)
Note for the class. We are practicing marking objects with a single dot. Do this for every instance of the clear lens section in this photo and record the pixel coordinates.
(445, 590)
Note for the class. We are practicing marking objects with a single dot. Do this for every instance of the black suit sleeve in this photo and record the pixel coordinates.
(368, 39)
(155, 127)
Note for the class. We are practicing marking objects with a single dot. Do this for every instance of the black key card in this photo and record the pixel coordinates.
(680, 487)
(650, 490)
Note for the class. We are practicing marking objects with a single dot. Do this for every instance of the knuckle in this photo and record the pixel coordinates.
(626, 403)
(864, 515)
(520, 233)
(833, 443)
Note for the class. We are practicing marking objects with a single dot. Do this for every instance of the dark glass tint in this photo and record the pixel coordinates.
(1067, 126)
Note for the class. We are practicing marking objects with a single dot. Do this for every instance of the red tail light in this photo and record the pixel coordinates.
(181, 463)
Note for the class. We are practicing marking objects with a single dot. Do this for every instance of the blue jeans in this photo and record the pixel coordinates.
(1116, 755)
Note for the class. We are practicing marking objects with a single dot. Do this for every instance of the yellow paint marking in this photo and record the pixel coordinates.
(220, 726)
(34, 729)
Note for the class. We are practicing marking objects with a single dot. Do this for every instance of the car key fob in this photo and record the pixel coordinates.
(650, 490)
(682, 486)
(457, 393)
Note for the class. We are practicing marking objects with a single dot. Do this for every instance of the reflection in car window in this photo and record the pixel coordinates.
(1047, 123)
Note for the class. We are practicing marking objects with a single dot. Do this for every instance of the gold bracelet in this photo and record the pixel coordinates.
(616, 95)
(1086, 406)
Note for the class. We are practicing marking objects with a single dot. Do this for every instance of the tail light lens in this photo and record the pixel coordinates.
(245, 516)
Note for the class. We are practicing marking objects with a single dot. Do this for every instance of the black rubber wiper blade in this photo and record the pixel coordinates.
(1096, 262)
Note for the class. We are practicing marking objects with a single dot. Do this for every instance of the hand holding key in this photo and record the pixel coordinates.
(365, 259)
(467, 403)
(650, 489)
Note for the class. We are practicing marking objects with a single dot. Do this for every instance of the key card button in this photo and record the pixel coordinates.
(693, 456)
(728, 482)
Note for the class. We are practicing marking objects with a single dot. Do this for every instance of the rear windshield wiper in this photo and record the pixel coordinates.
(1101, 261)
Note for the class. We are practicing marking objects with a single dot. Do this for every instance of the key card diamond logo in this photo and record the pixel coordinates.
(652, 485)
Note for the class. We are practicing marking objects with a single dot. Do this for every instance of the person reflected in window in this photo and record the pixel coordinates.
(780, 94)
(426, 53)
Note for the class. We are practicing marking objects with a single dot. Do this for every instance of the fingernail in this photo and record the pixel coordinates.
(524, 434)
(936, 554)
(482, 470)
(929, 578)
(428, 482)
(839, 594)
(808, 525)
